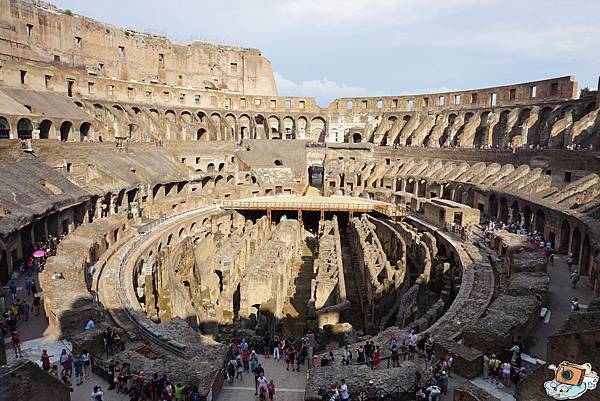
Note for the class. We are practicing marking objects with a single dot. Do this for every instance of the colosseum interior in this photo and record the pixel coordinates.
(180, 201)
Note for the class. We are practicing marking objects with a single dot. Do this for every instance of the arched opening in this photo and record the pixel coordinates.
(24, 128)
(357, 137)
(278, 162)
(181, 233)
(384, 140)
(565, 234)
(236, 302)
(516, 217)
(45, 129)
(200, 134)
(210, 168)
(493, 206)
(576, 245)
(503, 210)
(4, 128)
(169, 239)
(527, 214)
(65, 130)
(219, 274)
(540, 221)
(585, 266)
(83, 131)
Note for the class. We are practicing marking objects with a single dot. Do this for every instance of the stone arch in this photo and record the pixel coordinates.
(84, 130)
(24, 128)
(301, 127)
(499, 134)
(169, 239)
(186, 117)
(65, 130)
(231, 123)
(585, 265)
(201, 134)
(201, 116)
(244, 123)
(44, 128)
(565, 237)
(136, 110)
(527, 216)
(503, 209)
(384, 140)
(540, 221)
(576, 243)
(288, 127)
(357, 137)
(171, 116)
(493, 206)
(480, 137)
(318, 129)
(181, 232)
(273, 126)
(515, 215)
(4, 128)
(210, 168)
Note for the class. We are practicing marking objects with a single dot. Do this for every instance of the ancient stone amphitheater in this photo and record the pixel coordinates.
(195, 206)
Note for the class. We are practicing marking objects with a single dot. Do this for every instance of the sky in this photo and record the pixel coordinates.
(340, 48)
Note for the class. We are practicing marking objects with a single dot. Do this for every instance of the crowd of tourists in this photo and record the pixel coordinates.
(508, 370)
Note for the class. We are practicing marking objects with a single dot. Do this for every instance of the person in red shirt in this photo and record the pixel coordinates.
(16, 344)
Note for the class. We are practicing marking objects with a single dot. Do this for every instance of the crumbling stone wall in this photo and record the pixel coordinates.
(328, 288)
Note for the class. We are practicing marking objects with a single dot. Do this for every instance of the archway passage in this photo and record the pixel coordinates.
(200, 134)
(540, 222)
(357, 138)
(4, 128)
(65, 130)
(24, 128)
(84, 131)
(493, 206)
(565, 233)
(45, 127)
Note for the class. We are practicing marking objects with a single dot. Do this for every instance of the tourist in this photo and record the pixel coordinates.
(418, 386)
(395, 358)
(290, 354)
(33, 288)
(361, 354)
(231, 370)
(346, 356)
(429, 347)
(486, 366)
(570, 261)
(575, 305)
(574, 278)
(13, 290)
(299, 360)
(376, 358)
(46, 360)
(412, 344)
(266, 346)
(246, 359)
(371, 391)
(87, 360)
(89, 325)
(402, 349)
(54, 371)
(16, 344)
(35, 308)
(78, 364)
(344, 393)
(494, 366)
(505, 367)
(271, 389)
(277, 349)
(258, 373)
(253, 361)
(67, 382)
(24, 310)
(449, 363)
(443, 381)
(239, 368)
(434, 392)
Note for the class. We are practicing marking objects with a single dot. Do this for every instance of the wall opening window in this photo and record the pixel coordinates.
(554, 89)
(130, 92)
(48, 81)
(101, 67)
(365, 104)
(111, 90)
(78, 42)
(197, 99)
(349, 105)
(23, 76)
(148, 93)
(273, 103)
(161, 57)
(425, 101)
(29, 29)
(568, 176)
(233, 68)
(410, 105)
(227, 103)
(512, 94)
(56, 58)
(473, 98)
(493, 99)
(288, 104)
(380, 104)
(457, 99)
(441, 100)
(533, 91)
(121, 50)
(395, 103)
(302, 104)
(182, 98)
(90, 87)
(70, 83)
(257, 102)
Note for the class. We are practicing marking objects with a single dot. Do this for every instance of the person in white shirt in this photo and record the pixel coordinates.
(344, 394)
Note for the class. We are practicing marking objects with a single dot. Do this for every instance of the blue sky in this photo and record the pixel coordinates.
(337, 48)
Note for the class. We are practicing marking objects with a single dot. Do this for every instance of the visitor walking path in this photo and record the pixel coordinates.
(289, 386)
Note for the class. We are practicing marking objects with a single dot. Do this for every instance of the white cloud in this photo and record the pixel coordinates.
(323, 90)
